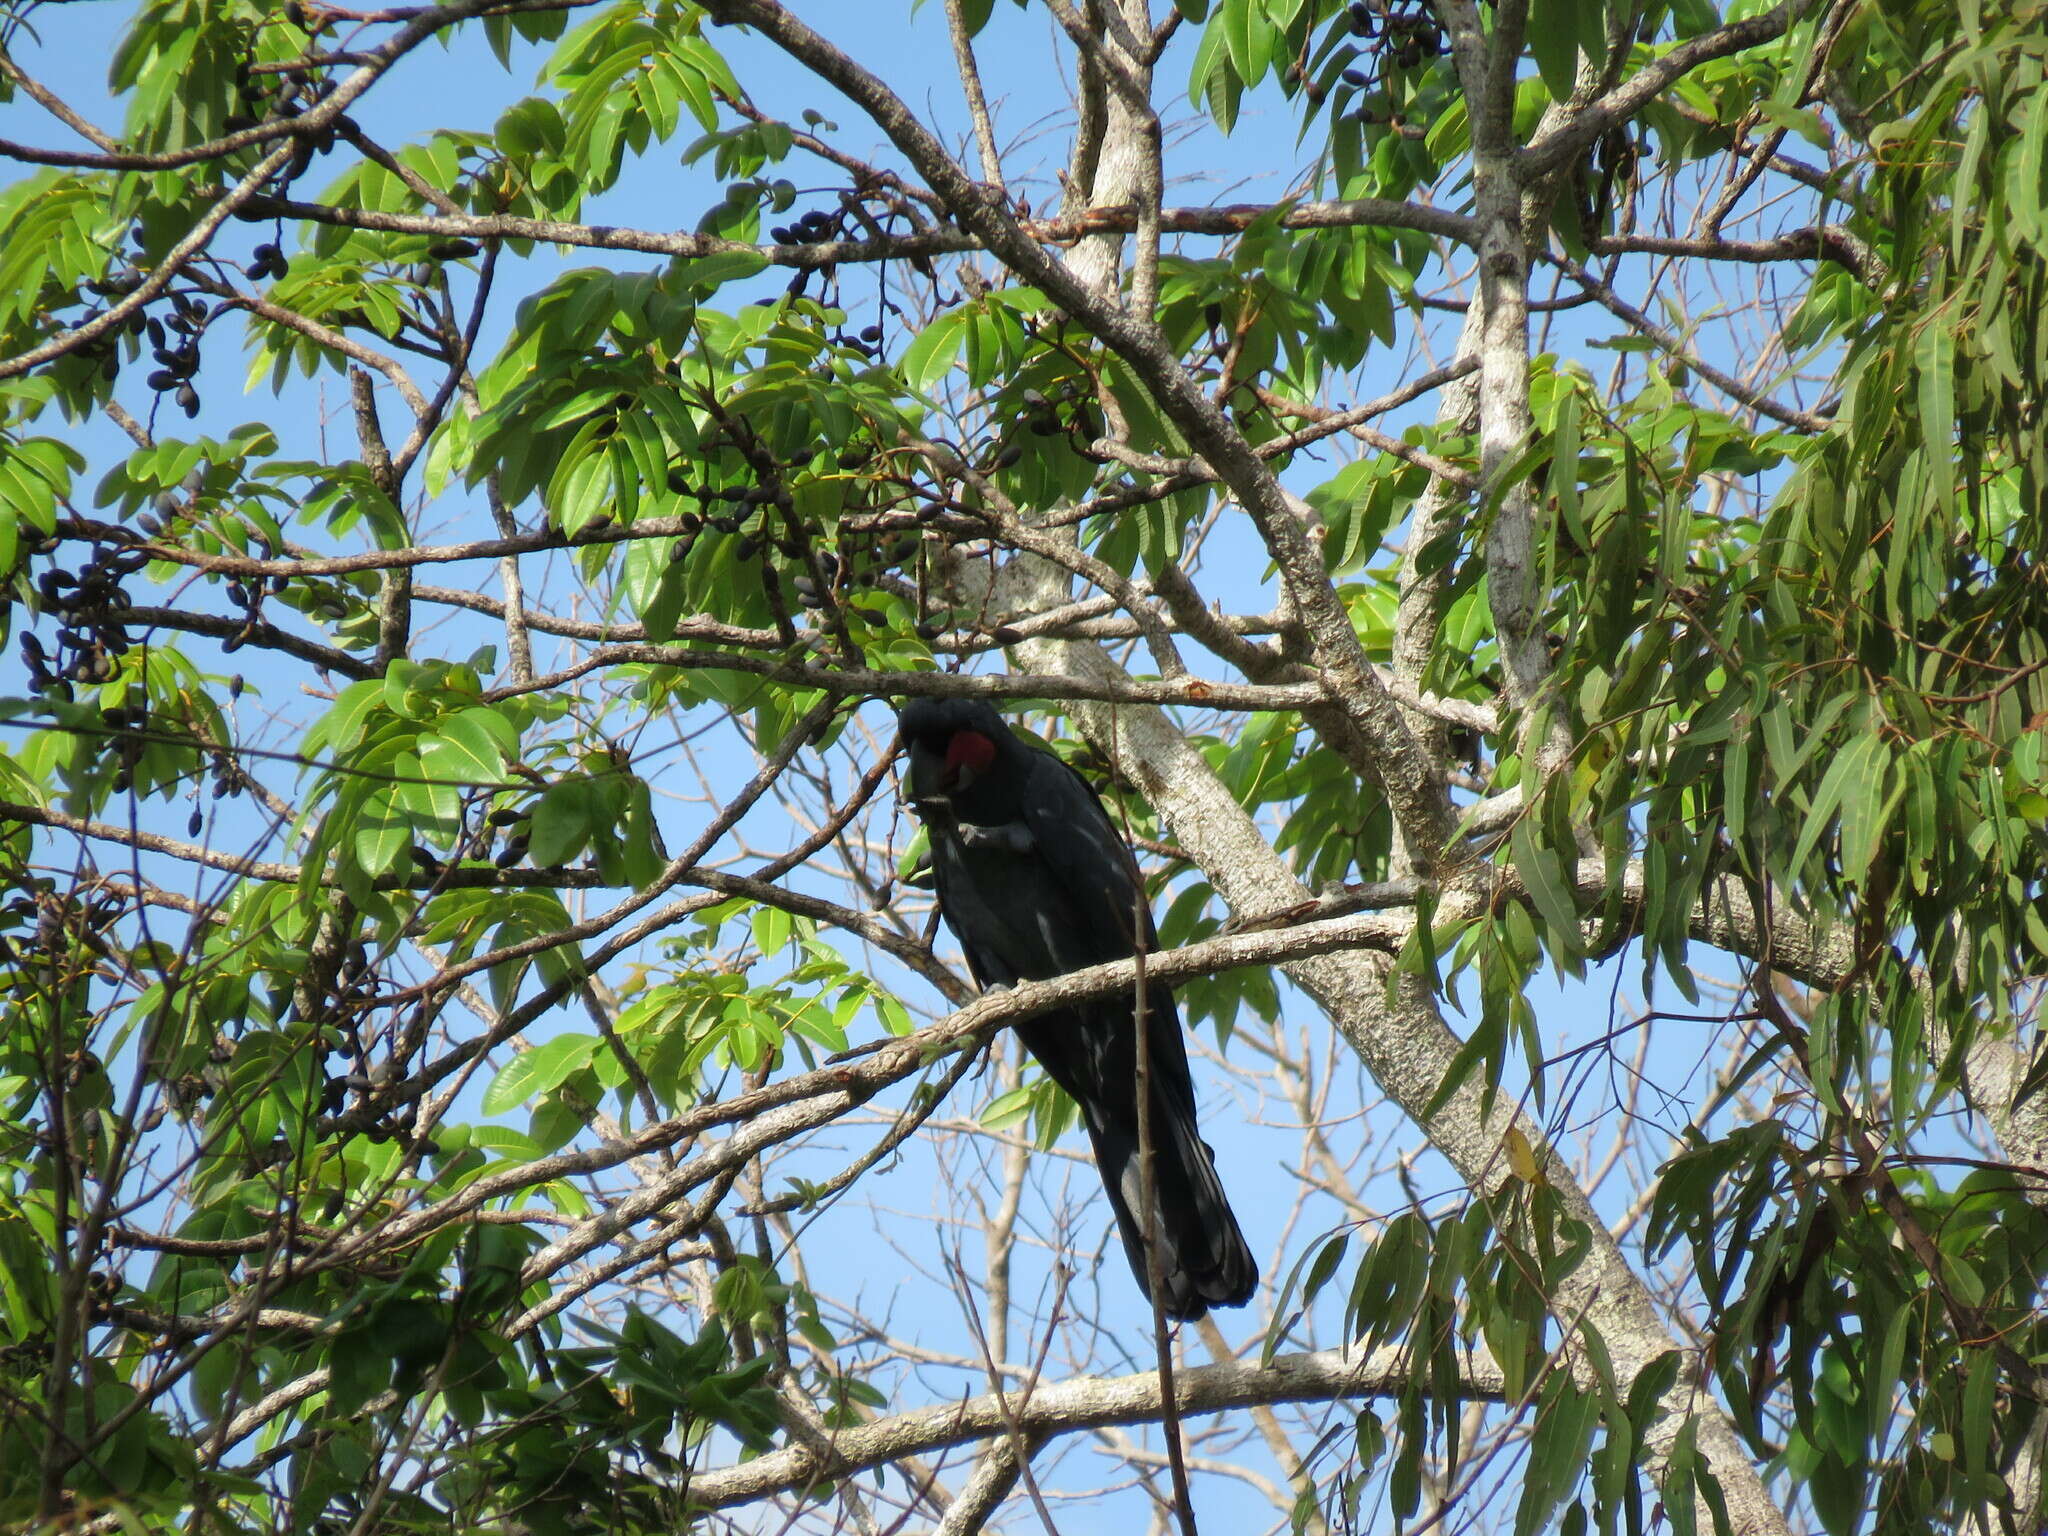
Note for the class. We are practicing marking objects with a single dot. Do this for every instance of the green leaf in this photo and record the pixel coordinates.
(1007, 1109)
(541, 1070)
(935, 350)
(705, 275)
(1935, 354)
(772, 928)
(562, 819)
(1554, 38)
(1249, 38)
(341, 727)
(383, 832)
(1549, 881)
(1324, 1265)
(1867, 806)
(1679, 1466)
(428, 800)
(1803, 121)
(1850, 773)
(1557, 1451)
(469, 748)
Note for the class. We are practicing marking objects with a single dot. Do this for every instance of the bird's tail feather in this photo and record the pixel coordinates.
(1204, 1261)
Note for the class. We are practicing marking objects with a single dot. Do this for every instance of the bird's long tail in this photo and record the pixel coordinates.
(1204, 1261)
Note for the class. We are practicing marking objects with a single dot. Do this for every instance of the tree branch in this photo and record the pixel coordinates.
(1087, 1403)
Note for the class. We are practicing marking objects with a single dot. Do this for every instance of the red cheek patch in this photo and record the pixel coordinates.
(970, 750)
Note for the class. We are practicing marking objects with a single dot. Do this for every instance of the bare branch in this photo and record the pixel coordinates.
(1064, 1407)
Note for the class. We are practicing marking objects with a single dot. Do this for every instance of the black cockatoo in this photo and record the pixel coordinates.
(1035, 882)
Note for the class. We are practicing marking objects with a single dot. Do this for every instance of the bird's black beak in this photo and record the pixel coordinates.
(924, 784)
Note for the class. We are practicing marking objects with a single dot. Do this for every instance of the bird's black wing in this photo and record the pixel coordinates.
(1092, 1051)
(1082, 849)
(1010, 913)
(1105, 917)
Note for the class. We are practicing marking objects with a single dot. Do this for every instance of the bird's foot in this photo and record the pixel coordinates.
(1010, 837)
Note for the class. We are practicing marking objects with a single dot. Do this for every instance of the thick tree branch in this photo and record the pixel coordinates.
(865, 683)
(1552, 150)
(1222, 220)
(1814, 242)
(1087, 1403)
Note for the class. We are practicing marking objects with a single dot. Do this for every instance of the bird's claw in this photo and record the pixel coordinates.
(1010, 837)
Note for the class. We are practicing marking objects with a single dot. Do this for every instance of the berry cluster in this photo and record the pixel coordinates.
(246, 594)
(816, 227)
(1069, 411)
(1402, 36)
(90, 605)
(427, 274)
(269, 262)
(174, 344)
(513, 823)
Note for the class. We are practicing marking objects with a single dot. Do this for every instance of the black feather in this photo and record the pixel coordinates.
(1035, 882)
